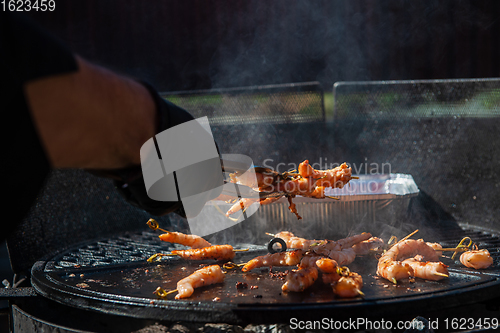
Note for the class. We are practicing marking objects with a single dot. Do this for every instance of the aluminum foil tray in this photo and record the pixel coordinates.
(372, 203)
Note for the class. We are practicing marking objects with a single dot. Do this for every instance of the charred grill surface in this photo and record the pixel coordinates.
(112, 276)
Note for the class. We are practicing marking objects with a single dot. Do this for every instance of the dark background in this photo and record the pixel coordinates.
(202, 44)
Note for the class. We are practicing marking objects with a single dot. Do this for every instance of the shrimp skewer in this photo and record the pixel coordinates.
(342, 257)
(477, 259)
(193, 241)
(345, 243)
(430, 270)
(294, 242)
(244, 203)
(307, 183)
(217, 252)
(202, 277)
(437, 247)
(336, 177)
(392, 268)
(305, 244)
(300, 279)
(367, 246)
(288, 258)
(348, 286)
(327, 265)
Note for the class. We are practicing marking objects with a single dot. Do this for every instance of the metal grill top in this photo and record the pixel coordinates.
(112, 276)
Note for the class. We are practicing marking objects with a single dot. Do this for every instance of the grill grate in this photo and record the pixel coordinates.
(102, 275)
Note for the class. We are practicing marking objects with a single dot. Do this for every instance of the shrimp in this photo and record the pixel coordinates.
(244, 203)
(309, 261)
(367, 246)
(430, 270)
(336, 177)
(193, 241)
(301, 243)
(436, 247)
(342, 244)
(288, 258)
(179, 238)
(300, 279)
(308, 182)
(351, 241)
(393, 270)
(409, 248)
(477, 259)
(202, 277)
(217, 252)
(348, 286)
(294, 242)
(256, 180)
(390, 266)
(342, 257)
(327, 265)
(293, 207)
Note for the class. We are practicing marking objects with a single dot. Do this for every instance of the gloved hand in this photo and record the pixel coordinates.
(129, 182)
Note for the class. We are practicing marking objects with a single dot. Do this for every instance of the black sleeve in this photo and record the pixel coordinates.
(26, 53)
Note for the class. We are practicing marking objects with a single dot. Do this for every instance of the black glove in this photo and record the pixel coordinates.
(129, 181)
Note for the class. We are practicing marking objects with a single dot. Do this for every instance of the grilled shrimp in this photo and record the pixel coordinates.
(202, 277)
(348, 286)
(294, 242)
(436, 247)
(392, 268)
(244, 203)
(428, 270)
(327, 265)
(300, 279)
(336, 177)
(309, 260)
(193, 241)
(288, 258)
(344, 243)
(217, 252)
(323, 245)
(477, 259)
(410, 248)
(342, 257)
(366, 246)
(329, 278)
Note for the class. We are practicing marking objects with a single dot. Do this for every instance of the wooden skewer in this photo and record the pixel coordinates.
(360, 292)
(229, 217)
(458, 249)
(155, 226)
(330, 197)
(460, 245)
(232, 265)
(393, 280)
(158, 256)
(160, 292)
(354, 177)
(440, 274)
(413, 233)
(273, 235)
(392, 239)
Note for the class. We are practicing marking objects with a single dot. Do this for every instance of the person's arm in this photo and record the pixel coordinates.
(91, 118)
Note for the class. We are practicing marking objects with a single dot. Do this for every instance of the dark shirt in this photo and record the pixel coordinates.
(27, 53)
